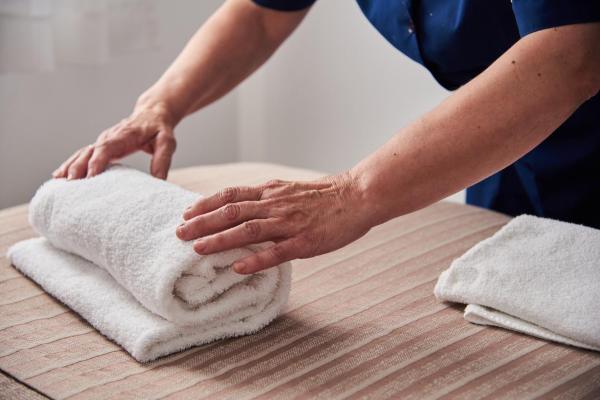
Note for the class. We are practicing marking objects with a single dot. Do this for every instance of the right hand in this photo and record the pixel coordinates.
(148, 128)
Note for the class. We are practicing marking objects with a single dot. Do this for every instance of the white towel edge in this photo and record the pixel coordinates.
(481, 315)
(145, 350)
(148, 346)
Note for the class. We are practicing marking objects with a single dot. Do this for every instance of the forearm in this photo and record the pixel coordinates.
(486, 125)
(233, 43)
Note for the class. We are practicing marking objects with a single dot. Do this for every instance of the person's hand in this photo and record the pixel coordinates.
(148, 128)
(303, 219)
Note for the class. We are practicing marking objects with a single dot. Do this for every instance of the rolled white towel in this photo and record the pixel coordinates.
(123, 221)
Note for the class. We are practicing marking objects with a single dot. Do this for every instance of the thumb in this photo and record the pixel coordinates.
(164, 147)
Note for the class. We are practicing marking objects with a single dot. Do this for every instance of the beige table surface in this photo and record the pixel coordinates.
(362, 322)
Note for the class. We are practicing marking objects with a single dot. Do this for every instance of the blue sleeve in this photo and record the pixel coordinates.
(535, 15)
(286, 5)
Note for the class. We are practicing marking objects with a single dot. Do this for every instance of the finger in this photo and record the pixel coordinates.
(105, 151)
(250, 232)
(229, 215)
(98, 161)
(219, 199)
(78, 167)
(278, 253)
(61, 172)
(164, 148)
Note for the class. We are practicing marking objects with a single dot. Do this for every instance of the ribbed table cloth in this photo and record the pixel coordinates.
(362, 322)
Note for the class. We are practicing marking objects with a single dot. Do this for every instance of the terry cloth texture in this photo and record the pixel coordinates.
(110, 253)
(536, 276)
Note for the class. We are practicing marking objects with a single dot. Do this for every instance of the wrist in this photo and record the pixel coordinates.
(353, 197)
(369, 187)
(158, 104)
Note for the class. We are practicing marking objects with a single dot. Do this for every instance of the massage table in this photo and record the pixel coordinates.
(362, 322)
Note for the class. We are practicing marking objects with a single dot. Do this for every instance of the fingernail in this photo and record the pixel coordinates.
(239, 267)
(199, 245)
(69, 177)
(161, 175)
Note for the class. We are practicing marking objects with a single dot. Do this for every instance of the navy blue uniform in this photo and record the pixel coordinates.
(455, 41)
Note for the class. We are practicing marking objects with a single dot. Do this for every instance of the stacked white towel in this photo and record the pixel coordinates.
(110, 253)
(536, 276)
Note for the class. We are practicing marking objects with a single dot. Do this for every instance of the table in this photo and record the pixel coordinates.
(362, 322)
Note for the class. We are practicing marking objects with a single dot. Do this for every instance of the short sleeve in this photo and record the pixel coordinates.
(285, 5)
(535, 15)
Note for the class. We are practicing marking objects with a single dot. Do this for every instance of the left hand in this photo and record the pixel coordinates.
(303, 219)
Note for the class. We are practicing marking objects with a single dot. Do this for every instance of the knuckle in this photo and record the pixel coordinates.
(170, 142)
(278, 252)
(314, 194)
(231, 211)
(228, 195)
(128, 135)
(167, 142)
(125, 124)
(298, 215)
(105, 144)
(217, 240)
(124, 129)
(252, 229)
(274, 183)
(103, 137)
(190, 229)
(99, 153)
(116, 129)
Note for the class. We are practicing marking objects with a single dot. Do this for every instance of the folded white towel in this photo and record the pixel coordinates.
(537, 276)
(110, 243)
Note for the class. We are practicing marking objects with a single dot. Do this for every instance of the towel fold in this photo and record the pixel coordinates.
(110, 253)
(537, 276)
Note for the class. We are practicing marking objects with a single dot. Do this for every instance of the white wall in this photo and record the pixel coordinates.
(46, 116)
(335, 92)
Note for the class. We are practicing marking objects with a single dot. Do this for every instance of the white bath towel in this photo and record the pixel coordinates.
(536, 276)
(110, 253)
